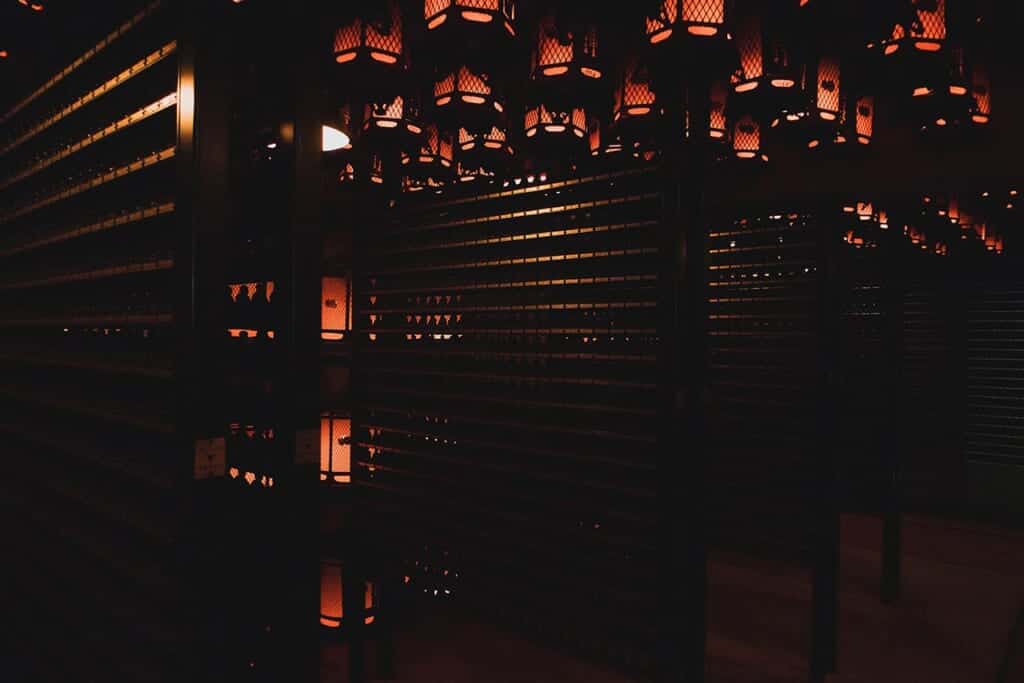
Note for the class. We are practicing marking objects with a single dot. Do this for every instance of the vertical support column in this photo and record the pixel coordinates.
(354, 547)
(893, 438)
(683, 572)
(199, 244)
(297, 514)
(825, 541)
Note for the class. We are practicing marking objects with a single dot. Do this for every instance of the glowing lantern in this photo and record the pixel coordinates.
(717, 126)
(746, 139)
(926, 34)
(495, 140)
(563, 56)
(431, 164)
(332, 599)
(634, 98)
(981, 106)
(764, 60)
(698, 18)
(468, 99)
(468, 172)
(335, 449)
(374, 171)
(370, 50)
(395, 120)
(438, 13)
(335, 309)
(828, 100)
(543, 121)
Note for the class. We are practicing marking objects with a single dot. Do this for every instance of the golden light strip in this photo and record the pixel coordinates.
(527, 260)
(541, 187)
(142, 114)
(596, 203)
(112, 271)
(521, 284)
(120, 219)
(99, 91)
(89, 54)
(145, 162)
(569, 232)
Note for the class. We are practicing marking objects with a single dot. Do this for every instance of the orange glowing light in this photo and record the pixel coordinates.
(702, 18)
(957, 90)
(478, 17)
(555, 70)
(922, 91)
(335, 449)
(335, 311)
(381, 42)
(783, 82)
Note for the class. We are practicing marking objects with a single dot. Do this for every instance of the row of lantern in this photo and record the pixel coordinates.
(938, 222)
(770, 88)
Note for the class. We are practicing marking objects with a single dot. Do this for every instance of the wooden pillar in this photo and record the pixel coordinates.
(682, 632)
(894, 288)
(300, 339)
(825, 539)
(199, 245)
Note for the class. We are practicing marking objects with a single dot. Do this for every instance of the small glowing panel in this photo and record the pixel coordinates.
(335, 449)
(335, 311)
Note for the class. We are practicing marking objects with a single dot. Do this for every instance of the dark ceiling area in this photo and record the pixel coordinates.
(40, 42)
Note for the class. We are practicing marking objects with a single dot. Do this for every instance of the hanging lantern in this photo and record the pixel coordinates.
(696, 18)
(468, 99)
(766, 66)
(374, 166)
(468, 172)
(636, 111)
(332, 598)
(562, 124)
(431, 165)
(926, 34)
(438, 13)
(718, 126)
(370, 51)
(981, 95)
(395, 121)
(746, 139)
(335, 449)
(828, 100)
(564, 63)
(494, 140)
(602, 138)
(335, 308)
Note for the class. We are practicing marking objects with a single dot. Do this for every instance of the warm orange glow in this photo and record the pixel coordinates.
(940, 122)
(927, 46)
(702, 18)
(634, 96)
(957, 90)
(747, 87)
(783, 82)
(750, 47)
(922, 91)
(387, 124)
(380, 43)
(335, 449)
(829, 99)
(437, 21)
(479, 17)
(3, 54)
(746, 138)
(660, 36)
(717, 122)
(555, 70)
(813, 143)
(473, 99)
(335, 312)
(330, 594)
(891, 49)
(982, 109)
(590, 73)
(865, 113)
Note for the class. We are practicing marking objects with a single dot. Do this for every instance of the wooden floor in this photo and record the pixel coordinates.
(963, 590)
